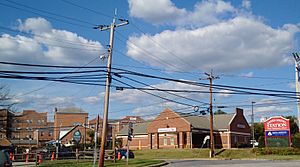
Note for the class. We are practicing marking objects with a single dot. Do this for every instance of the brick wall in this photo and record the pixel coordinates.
(68, 120)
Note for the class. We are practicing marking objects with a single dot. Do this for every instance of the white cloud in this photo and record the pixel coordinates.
(35, 25)
(139, 97)
(273, 110)
(47, 45)
(224, 93)
(165, 12)
(249, 74)
(92, 99)
(246, 4)
(239, 43)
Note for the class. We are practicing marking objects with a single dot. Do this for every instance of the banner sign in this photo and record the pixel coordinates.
(277, 123)
(277, 132)
(166, 130)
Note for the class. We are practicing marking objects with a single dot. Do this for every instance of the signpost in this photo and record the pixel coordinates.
(277, 132)
(77, 138)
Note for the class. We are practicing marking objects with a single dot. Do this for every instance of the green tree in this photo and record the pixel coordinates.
(258, 130)
(91, 135)
(293, 124)
(218, 112)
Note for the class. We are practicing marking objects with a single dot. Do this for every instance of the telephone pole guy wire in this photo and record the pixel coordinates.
(108, 81)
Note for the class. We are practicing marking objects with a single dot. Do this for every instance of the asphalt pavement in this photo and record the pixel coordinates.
(232, 163)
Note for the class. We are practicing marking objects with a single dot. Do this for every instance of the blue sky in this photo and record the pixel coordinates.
(246, 43)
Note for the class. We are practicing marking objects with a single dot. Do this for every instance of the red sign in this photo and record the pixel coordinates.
(277, 132)
(277, 123)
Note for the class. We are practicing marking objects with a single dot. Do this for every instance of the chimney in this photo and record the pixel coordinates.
(239, 111)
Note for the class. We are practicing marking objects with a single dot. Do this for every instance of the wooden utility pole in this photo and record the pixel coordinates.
(211, 118)
(108, 82)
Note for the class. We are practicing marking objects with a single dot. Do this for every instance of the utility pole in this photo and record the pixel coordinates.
(297, 61)
(211, 118)
(114, 142)
(95, 139)
(252, 122)
(108, 81)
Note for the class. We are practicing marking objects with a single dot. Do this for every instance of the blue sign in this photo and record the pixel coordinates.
(284, 133)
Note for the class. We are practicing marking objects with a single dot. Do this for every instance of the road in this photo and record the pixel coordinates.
(232, 163)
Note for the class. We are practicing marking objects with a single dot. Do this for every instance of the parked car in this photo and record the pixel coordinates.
(123, 152)
(4, 159)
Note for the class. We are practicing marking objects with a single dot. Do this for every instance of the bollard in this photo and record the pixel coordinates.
(26, 161)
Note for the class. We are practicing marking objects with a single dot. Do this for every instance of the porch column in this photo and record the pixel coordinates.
(229, 140)
(156, 145)
(150, 140)
(188, 139)
(180, 139)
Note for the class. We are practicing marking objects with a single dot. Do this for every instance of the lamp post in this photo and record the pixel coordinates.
(252, 122)
(84, 144)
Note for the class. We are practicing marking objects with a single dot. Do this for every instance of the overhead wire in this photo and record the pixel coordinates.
(49, 17)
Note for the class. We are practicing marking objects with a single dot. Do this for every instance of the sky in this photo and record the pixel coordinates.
(245, 43)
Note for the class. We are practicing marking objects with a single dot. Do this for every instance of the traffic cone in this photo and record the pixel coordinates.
(119, 155)
(52, 156)
(11, 156)
(26, 158)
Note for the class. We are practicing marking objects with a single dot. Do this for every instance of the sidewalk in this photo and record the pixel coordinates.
(23, 164)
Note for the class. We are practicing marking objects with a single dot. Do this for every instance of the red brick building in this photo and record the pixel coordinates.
(179, 130)
(67, 118)
(29, 128)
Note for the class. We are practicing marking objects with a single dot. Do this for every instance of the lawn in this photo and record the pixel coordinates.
(89, 163)
(149, 157)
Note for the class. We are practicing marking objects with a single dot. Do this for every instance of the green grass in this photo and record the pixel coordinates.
(237, 154)
(171, 153)
(89, 163)
(149, 157)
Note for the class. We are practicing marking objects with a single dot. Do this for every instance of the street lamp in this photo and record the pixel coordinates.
(252, 120)
(85, 118)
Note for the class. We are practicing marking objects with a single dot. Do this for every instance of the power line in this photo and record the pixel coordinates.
(50, 17)
(52, 39)
(85, 8)
(170, 100)
(43, 11)
(166, 91)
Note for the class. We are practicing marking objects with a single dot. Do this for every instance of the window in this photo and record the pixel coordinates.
(50, 134)
(172, 141)
(42, 133)
(165, 141)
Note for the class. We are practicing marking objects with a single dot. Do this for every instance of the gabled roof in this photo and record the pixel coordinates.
(5, 142)
(138, 129)
(221, 121)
